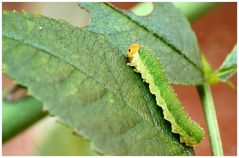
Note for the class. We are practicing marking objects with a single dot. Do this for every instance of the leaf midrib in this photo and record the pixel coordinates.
(157, 36)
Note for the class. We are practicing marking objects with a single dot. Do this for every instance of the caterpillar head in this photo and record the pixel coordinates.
(132, 51)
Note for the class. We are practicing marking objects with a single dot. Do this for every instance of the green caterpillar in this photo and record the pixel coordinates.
(152, 71)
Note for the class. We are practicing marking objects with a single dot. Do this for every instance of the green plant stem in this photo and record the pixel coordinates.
(194, 10)
(211, 118)
(18, 115)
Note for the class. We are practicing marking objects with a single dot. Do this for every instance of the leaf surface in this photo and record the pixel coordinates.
(229, 66)
(84, 80)
(166, 31)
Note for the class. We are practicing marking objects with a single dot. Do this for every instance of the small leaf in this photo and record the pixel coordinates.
(229, 66)
(224, 72)
(166, 31)
(84, 80)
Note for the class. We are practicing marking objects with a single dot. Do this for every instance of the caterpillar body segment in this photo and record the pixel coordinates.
(148, 65)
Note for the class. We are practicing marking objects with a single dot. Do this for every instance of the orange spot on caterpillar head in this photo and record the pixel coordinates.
(132, 50)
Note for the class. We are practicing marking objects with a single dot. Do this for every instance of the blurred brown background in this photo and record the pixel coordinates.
(217, 33)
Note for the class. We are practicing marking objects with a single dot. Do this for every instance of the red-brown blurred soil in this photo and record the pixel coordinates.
(216, 33)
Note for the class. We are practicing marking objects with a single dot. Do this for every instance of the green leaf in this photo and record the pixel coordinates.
(59, 140)
(19, 115)
(229, 66)
(166, 31)
(84, 80)
(224, 72)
